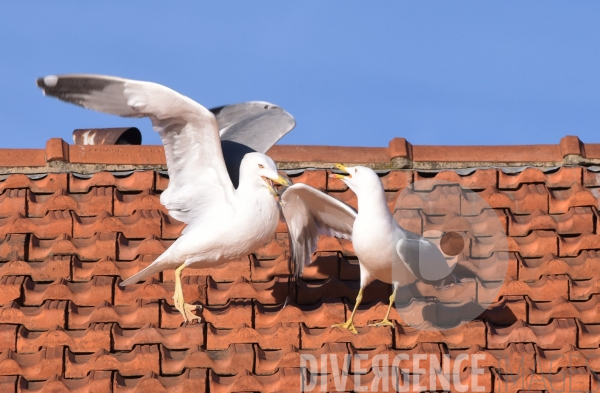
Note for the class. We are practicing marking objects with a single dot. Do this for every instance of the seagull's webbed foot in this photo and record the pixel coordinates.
(180, 305)
(385, 322)
(348, 325)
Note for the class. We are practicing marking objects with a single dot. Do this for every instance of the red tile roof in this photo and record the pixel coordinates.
(76, 220)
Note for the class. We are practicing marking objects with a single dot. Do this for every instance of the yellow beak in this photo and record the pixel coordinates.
(283, 180)
(342, 168)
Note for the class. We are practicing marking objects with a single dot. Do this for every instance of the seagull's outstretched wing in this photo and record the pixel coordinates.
(310, 213)
(199, 183)
(423, 258)
(248, 127)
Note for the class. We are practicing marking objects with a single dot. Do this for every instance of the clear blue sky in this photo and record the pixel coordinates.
(351, 73)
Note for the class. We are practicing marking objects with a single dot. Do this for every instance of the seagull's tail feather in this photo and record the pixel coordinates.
(148, 271)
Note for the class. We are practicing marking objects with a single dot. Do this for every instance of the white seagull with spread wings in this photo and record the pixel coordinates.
(224, 223)
(385, 250)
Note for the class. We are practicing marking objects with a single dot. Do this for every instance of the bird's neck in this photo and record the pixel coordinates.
(374, 203)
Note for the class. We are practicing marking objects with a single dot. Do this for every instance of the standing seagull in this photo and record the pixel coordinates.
(224, 223)
(385, 250)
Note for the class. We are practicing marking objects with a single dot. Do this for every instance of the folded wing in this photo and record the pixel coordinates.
(199, 183)
(310, 213)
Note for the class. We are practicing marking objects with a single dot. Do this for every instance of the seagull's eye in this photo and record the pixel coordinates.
(261, 166)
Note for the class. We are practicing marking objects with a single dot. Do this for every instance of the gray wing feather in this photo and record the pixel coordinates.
(423, 258)
(253, 126)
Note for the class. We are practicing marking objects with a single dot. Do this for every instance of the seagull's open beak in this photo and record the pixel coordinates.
(341, 175)
(281, 180)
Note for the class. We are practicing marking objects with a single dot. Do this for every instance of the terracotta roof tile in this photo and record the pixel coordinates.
(12, 247)
(95, 291)
(85, 270)
(93, 203)
(271, 292)
(579, 379)
(554, 335)
(139, 361)
(142, 224)
(285, 380)
(555, 178)
(36, 366)
(183, 337)
(127, 204)
(134, 316)
(136, 181)
(367, 337)
(44, 317)
(52, 225)
(525, 200)
(13, 202)
(274, 337)
(89, 340)
(562, 200)
(95, 381)
(191, 380)
(101, 245)
(46, 183)
(477, 179)
(319, 315)
(67, 240)
(463, 336)
(235, 359)
(581, 267)
(8, 337)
